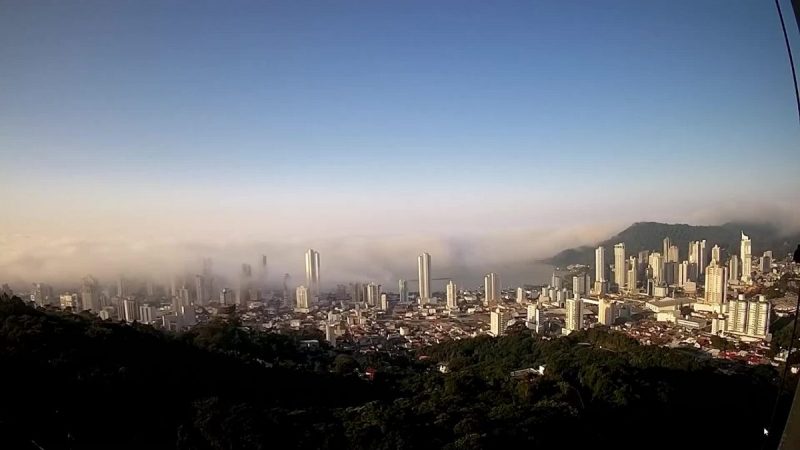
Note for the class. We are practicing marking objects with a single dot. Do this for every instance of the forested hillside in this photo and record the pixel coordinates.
(75, 382)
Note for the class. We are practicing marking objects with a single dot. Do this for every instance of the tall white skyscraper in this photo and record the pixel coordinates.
(302, 298)
(129, 310)
(656, 264)
(673, 254)
(402, 287)
(703, 262)
(199, 289)
(535, 317)
(491, 288)
(452, 295)
(424, 269)
(746, 255)
(619, 265)
(633, 270)
(716, 283)
(521, 297)
(574, 319)
(579, 285)
(600, 264)
(498, 321)
(666, 244)
(384, 302)
(312, 272)
(758, 316)
(606, 312)
(683, 273)
(90, 294)
(373, 294)
(716, 254)
(733, 268)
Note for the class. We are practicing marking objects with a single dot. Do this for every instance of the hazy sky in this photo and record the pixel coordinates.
(155, 125)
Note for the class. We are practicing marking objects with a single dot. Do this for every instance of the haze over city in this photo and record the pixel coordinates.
(140, 137)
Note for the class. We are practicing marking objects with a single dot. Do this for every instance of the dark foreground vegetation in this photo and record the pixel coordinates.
(73, 381)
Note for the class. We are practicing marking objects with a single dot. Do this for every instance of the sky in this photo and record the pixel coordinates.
(133, 133)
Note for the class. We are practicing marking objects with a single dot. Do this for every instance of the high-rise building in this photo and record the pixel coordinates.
(402, 286)
(671, 270)
(733, 269)
(665, 245)
(556, 281)
(208, 279)
(42, 294)
(491, 288)
(633, 270)
(673, 254)
(716, 254)
(683, 273)
(373, 294)
(606, 312)
(574, 319)
(765, 262)
(644, 258)
(619, 265)
(498, 322)
(579, 285)
(199, 289)
(384, 301)
(535, 317)
(716, 284)
(521, 296)
(302, 298)
(312, 272)
(703, 262)
(90, 294)
(147, 314)
(245, 280)
(600, 264)
(758, 317)
(656, 264)
(129, 310)
(424, 269)
(227, 297)
(122, 288)
(452, 295)
(694, 254)
(737, 315)
(746, 255)
(69, 300)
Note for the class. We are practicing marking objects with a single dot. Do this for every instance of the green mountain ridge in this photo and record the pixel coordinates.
(650, 235)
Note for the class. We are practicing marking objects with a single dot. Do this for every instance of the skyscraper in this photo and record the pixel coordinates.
(683, 273)
(90, 294)
(579, 285)
(574, 319)
(666, 244)
(633, 270)
(424, 269)
(199, 289)
(312, 272)
(716, 256)
(758, 317)
(121, 287)
(673, 254)
(619, 265)
(384, 302)
(452, 295)
(129, 310)
(716, 283)
(656, 264)
(745, 254)
(302, 299)
(491, 288)
(606, 312)
(402, 287)
(703, 262)
(498, 321)
(600, 264)
(765, 262)
(521, 297)
(373, 294)
(245, 279)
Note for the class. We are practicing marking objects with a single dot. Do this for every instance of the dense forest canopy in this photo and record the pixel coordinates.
(75, 381)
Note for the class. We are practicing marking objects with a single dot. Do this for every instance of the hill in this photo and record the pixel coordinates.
(650, 235)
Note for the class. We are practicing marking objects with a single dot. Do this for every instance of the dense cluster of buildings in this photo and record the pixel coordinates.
(704, 292)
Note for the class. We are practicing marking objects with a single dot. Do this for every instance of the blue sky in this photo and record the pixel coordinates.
(261, 118)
